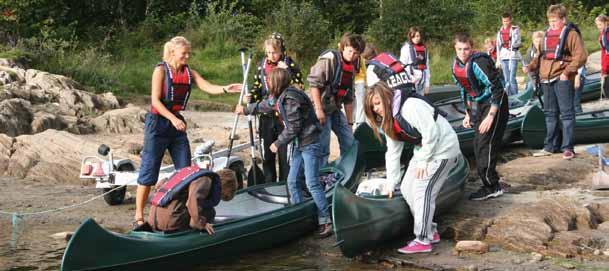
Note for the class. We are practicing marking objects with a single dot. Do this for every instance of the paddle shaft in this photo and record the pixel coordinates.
(243, 90)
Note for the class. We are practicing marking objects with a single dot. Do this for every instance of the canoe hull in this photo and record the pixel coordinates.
(590, 127)
(362, 224)
(94, 248)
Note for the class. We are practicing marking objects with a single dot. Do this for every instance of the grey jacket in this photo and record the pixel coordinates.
(322, 76)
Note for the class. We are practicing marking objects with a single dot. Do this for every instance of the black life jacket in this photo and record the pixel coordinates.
(176, 89)
(339, 86)
(466, 77)
(180, 181)
(418, 54)
(403, 129)
(553, 46)
(390, 69)
(604, 39)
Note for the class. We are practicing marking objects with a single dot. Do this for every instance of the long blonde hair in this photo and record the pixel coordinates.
(172, 44)
(385, 93)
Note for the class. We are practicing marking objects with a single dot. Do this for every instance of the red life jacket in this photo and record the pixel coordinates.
(342, 85)
(493, 53)
(506, 37)
(180, 180)
(420, 56)
(553, 46)
(403, 130)
(176, 88)
(346, 79)
(460, 73)
(388, 68)
(603, 39)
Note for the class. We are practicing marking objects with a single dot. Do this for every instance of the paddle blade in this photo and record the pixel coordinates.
(255, 176)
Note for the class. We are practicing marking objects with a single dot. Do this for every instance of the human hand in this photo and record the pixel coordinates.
(426, 91)
(525, 69)
(233, 88)
(485, 125)
(466, 122)
(273, 148)
(210, 229)
(321, 116)
(498, 64)
(239, 109)
(281, 64)
(420, 173)
(178, 124)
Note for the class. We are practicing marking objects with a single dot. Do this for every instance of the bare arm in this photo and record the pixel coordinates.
(212, 88)
(349, 112)
(319, 111)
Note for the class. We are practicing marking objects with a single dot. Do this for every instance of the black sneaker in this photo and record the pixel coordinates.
(485, 193)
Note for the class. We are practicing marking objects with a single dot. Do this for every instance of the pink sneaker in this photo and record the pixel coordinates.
(436, 238)
(415, 247)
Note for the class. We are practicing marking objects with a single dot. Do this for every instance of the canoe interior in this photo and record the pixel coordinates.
(362, 224)
(257, 218)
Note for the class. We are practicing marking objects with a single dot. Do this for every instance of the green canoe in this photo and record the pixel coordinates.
(258, 217)
(590, 127)
(361, 224)
(443, 92)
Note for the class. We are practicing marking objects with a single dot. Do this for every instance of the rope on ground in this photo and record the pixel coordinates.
(16, 217)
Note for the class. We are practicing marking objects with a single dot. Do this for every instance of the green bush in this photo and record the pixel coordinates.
(305, 30)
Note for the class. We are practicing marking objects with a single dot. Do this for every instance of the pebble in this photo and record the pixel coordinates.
(568, 266)
(536, 257)
(66, 235)
(517, 261)
(472, 268)
(597, 252)
(606, 252)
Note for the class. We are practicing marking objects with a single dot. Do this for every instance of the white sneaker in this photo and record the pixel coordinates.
(541, 153)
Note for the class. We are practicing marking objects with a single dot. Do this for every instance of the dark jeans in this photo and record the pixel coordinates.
(560, 115)
(270, 128)
(160, 135)
(577, 99)
(487, 145)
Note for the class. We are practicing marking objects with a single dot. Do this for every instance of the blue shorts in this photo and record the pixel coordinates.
(160, 135)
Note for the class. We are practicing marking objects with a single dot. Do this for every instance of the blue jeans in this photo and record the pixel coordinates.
(336, 122)
(509, 67)
(577, 100)
(307, 160)
(160, 135)
(558, 105)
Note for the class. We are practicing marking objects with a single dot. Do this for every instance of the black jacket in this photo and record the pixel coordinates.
(298, 115)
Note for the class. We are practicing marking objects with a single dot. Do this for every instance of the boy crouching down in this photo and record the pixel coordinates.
(192, 206)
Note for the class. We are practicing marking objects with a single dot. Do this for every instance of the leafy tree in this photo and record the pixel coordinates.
(305, 30)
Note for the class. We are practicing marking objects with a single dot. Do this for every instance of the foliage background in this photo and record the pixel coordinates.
(113, 45)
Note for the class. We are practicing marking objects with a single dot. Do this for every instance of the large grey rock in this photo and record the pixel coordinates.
(45, 80)
(126, 120)
(52, 156)
(6, 150)
(15, 117)
(535, 227)
(44, 121)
